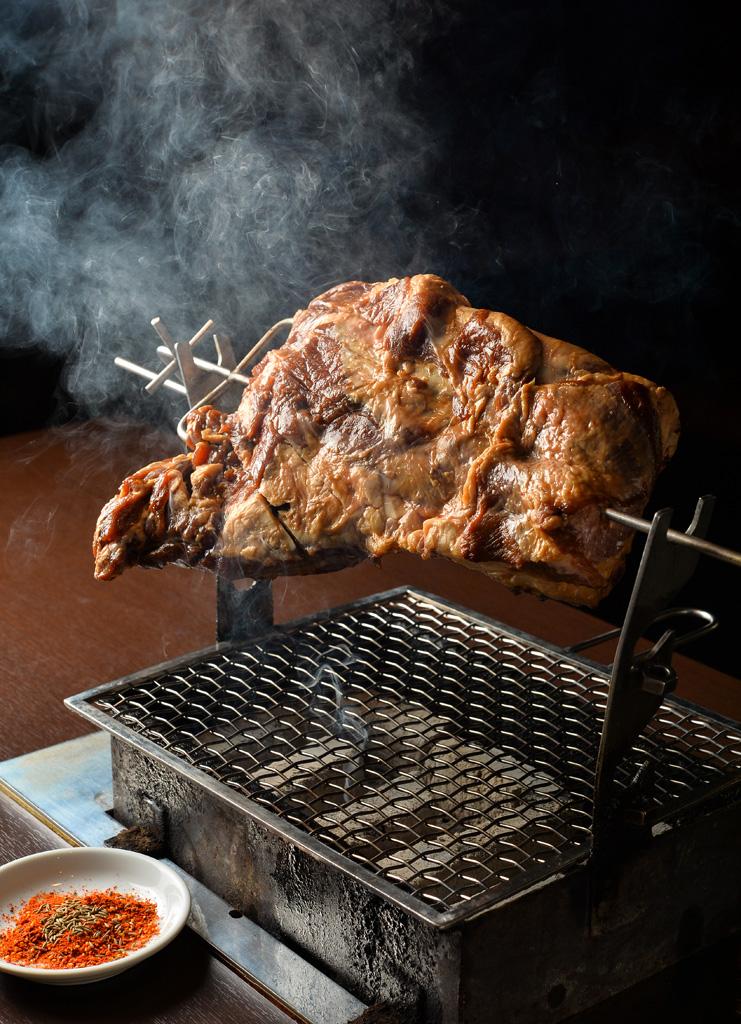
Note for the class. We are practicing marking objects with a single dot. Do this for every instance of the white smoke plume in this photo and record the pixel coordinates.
(194, 159)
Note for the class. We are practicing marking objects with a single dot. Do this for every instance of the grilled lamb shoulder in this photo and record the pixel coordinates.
(396, 417)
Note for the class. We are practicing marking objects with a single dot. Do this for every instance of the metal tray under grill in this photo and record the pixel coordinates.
(440, 758)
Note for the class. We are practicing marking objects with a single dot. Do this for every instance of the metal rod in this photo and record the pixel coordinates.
(163, 332)
(142, 371)
(159, 378)
(205, 364)
(609, 634)
(677, 537)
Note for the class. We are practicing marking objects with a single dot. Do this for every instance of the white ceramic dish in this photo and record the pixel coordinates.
(89, 868)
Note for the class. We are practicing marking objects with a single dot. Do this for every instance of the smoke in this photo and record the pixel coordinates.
(191, 159)
(330, 706)
(234, 159)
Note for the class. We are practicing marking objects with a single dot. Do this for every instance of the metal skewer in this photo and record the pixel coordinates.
(164, 334)
(206, 364)
(253, 353)
(198, 375)
(677, 537)
(159, 378)
(142, 371)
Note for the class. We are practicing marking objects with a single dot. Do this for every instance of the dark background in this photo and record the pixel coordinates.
(593, 153)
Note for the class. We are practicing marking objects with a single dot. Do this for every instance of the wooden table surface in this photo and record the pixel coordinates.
(64, 633)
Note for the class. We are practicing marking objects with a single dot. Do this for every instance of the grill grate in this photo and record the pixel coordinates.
(441, 751)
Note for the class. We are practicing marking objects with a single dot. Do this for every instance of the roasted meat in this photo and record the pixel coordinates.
(397, 418)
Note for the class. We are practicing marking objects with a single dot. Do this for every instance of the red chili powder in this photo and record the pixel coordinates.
(72, 929)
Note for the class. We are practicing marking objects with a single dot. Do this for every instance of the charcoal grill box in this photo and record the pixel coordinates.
(403, 791)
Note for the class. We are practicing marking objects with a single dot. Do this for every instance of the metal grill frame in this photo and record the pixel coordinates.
(84, 705)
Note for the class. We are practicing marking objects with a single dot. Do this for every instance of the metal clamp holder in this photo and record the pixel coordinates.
(639, 680)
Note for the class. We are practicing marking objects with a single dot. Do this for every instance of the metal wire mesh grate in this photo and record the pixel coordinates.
(440, 751)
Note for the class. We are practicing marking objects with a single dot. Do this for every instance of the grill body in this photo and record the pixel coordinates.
(403, 790)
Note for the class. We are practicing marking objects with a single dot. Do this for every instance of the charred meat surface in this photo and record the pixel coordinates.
(396, 417)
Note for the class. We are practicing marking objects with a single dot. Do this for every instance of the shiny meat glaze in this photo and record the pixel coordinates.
(396, 417)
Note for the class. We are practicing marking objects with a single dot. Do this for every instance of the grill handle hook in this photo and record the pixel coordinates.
(672, 639)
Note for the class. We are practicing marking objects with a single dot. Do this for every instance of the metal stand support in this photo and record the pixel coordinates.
(242, 612)
(639, 681)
